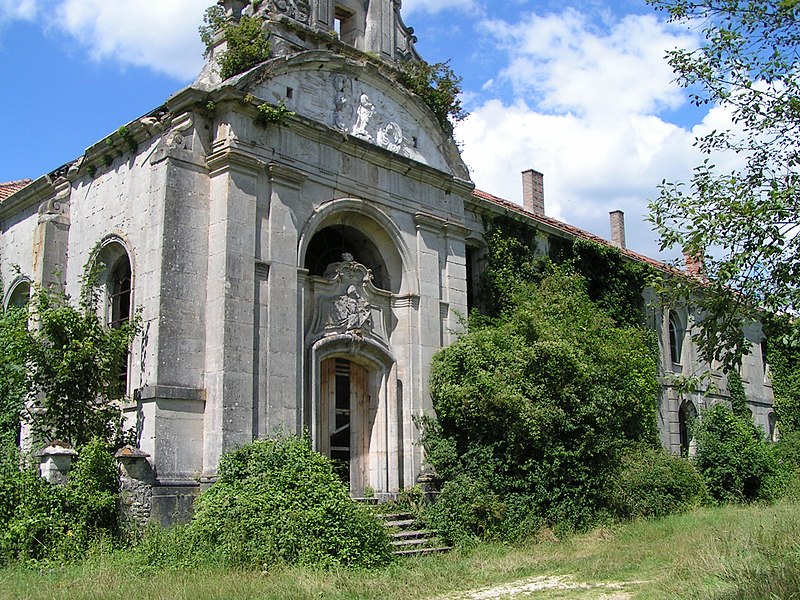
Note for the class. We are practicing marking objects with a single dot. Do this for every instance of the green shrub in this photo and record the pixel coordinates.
(33, 512)
(467, 510)
(277, 501)
(652, 483)
(738, 465)
(540, 403)
(93, 494)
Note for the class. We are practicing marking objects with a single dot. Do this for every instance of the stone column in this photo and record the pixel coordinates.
(230, 296)
(51, 238)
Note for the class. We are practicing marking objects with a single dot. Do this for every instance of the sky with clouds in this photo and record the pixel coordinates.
(577, 90)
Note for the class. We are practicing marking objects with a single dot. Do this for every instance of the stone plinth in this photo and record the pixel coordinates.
(55, 461)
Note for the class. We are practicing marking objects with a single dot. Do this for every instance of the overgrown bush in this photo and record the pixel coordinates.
(735, 460)
(13, 387)
(651, 483)
(539, 405)
(467, 510)
(277, 501)
(43, 521)
(439, 88)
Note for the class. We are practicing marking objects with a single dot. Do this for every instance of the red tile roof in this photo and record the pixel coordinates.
(571, 230)
(6, 189)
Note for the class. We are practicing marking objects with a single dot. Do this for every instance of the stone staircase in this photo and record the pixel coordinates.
(408, 539)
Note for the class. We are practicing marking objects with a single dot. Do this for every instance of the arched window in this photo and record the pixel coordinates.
(328, 245)
(119, 292)
(675, 339)
(116, 300)
(772, 426)
(686, 416)
(20, 295)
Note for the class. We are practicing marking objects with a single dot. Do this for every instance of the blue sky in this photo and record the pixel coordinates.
(577, 90)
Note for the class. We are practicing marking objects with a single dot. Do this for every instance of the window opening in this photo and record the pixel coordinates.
(119, 296)
(340, 432)
(344, 25)
(675, 340)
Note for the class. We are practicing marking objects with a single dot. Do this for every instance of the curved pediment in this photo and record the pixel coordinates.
(357, 99)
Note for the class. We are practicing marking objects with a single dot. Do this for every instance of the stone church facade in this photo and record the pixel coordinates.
(291, 275)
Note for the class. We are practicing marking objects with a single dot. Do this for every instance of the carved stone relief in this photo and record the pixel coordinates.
(348, 303)
(299, 10)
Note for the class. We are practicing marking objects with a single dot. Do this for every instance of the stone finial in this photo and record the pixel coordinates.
(533, 192)
(617, 218)
(55, 461)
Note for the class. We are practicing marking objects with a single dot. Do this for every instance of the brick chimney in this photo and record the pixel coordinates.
(617, 228)
(533, 192)
(694, 264)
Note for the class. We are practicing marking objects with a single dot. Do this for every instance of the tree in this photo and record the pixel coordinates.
(73, 362)
(13, 387)
(535, 408)
(742, 223)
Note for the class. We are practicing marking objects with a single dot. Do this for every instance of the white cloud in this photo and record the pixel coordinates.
(436, 6)
(569, 64)
(17, 9)
(157, 34)
(586, 114)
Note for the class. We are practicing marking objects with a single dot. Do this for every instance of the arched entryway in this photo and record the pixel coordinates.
(346, 420)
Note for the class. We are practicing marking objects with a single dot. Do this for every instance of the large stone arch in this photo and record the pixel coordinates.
(375, 225)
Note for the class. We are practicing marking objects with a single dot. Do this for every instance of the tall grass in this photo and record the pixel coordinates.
(725, 553)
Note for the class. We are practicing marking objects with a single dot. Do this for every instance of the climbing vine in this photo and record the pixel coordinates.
(613, 282)
(783, 356)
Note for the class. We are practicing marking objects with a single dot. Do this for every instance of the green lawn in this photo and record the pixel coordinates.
(730, 552)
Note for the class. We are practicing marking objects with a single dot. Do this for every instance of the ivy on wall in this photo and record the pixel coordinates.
(783, 355)
(612, 281)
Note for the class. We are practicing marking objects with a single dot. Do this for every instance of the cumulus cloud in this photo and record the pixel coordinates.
(160, 35)
(585, 113)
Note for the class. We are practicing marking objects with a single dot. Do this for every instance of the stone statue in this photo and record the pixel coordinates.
(364, 113)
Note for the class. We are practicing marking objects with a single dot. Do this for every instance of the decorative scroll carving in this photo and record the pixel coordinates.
(348, 303)
(299, 10)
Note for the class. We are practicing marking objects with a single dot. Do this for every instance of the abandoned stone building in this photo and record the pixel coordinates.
(295, 269)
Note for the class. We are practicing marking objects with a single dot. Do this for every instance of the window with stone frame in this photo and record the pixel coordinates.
(676, 335)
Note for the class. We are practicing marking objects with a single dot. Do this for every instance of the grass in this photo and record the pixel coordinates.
(724, 553)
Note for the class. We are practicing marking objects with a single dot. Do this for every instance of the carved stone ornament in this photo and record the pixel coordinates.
(348, 303)
(299, 10)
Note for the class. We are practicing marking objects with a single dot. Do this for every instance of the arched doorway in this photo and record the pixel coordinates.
(346, 420)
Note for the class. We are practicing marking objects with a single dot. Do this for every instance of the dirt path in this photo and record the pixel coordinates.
(555, 586)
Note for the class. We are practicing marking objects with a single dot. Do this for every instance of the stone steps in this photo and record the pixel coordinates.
(408, 540)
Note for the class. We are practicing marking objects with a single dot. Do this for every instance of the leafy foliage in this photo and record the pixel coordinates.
(277, 501)
(247, 43)
(72, 362)
(43, 521)
(783, 356)
(13, 388)
(736, 462)
(651, 483)
(742, 223)
(439, 88)
(537, 406)
(738, 395)
(612, 281)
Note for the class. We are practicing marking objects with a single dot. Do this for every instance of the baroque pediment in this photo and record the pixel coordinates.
(357, 100)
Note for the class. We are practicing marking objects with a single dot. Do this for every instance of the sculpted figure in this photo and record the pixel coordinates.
(364, 113)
